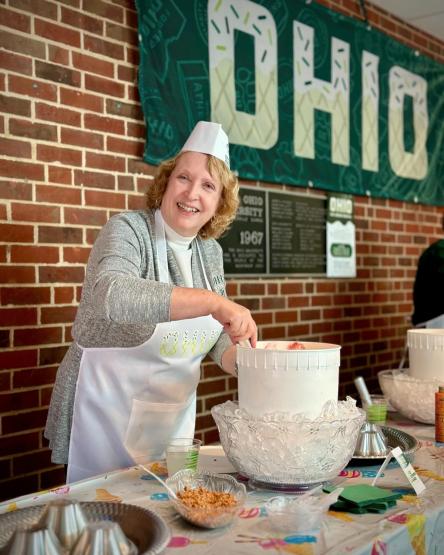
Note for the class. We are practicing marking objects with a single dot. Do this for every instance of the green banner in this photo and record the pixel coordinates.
(307, 96)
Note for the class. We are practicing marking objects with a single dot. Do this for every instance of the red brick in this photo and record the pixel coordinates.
(29, 213)
(24, 421)
(38, 131)
(15, 63)
(42, 8)
(75, 255)
(136, 202)
(58, 314)
(121, 34)
(58, 195)
(45, 396)
(53, 478)
(91, 236)
(19, 400)
(63, 155)
(58, 55)
(21, 170)
(59, 235)
(133, 93)
(57, 33)
(25, 296)
(18, 486)
(22, 44)
(11, 147)
(105, 162)
(31, 87)
(57, 73)
(125, 73)
(15, 20)
(5, 469)
(85, 217)
(104, 86)
(32, 462)
(63, 295)
(103, 47)
(18, 316)
(37, 336)
(92, 64)
(82, 21)
(82, 138)
(15, 190)
(106, 124)
(35, 376)
(136, 130)
(123, 109)
(17, 359)
(105, 10)
(57, 174)
(67, 274)
(132, 56)
(11, 445)
(94, 179)
(124, 146)
(17, 274)
(125, 183)
(103, 199)
(57, 114)
(81, 100)
(34, 254)
(12, 105)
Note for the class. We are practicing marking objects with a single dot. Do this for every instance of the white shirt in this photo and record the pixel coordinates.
(182, 252)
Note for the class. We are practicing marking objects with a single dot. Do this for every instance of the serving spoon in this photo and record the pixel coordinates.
(164, 484)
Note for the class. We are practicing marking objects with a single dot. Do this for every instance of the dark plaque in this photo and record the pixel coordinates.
(244, 245)
(296, 227)
(276, 233)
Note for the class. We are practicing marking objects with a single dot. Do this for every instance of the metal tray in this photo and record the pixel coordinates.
(395, 438)
(144, 527)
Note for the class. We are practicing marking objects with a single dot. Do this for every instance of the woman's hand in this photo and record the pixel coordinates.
(237, 320)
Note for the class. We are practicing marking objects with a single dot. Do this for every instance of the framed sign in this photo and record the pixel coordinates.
(276, 233)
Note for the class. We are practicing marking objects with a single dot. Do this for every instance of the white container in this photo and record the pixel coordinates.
(426, 353)
(291, 381)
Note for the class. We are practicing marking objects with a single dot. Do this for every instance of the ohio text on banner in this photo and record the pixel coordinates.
(306, 95)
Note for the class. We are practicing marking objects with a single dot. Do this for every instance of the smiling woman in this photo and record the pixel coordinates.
(153, 305)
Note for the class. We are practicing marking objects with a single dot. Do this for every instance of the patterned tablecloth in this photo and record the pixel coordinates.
(415, 525)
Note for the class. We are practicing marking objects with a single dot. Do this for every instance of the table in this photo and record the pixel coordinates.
(414, 526)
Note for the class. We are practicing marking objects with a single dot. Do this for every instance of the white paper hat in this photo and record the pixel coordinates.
(209, 138)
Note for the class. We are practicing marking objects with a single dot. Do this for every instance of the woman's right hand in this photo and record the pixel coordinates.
(237, 320)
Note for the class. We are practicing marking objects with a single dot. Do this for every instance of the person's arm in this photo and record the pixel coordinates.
(235, 318)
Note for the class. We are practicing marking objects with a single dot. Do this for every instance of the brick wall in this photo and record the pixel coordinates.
(72, 137)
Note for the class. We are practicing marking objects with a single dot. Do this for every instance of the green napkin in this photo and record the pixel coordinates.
(343, 506)
(364, 496)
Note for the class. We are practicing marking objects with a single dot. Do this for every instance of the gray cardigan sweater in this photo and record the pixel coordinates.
(122, 301)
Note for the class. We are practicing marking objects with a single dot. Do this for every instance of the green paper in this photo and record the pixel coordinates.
(362, 495)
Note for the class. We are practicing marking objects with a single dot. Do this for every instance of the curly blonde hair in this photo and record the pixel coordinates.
(229, 200)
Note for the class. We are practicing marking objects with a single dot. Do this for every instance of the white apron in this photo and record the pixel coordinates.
(131, 401)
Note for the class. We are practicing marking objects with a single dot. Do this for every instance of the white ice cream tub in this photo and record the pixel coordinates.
(291, 381)
(426, 353)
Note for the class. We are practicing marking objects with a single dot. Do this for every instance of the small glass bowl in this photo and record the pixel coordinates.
(207, 517)
(291, 515)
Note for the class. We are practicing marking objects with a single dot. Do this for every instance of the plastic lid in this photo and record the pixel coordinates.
(441, 388)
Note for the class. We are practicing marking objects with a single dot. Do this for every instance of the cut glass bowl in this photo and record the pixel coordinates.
(413, 398)
(289, 450)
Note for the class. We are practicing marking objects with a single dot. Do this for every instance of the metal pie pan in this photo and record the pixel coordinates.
(395, 438)
(145, 528)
